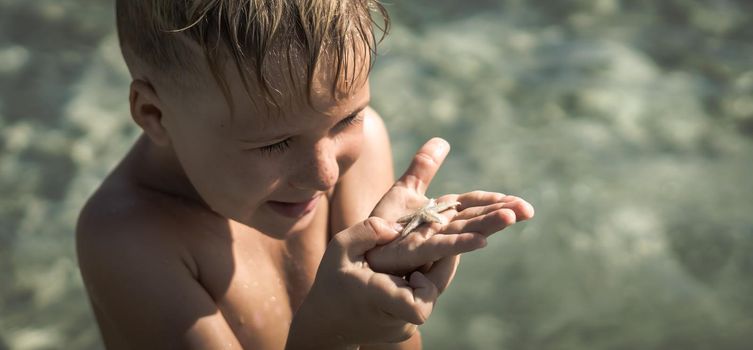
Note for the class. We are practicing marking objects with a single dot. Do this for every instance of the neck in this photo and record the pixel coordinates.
(158, 169)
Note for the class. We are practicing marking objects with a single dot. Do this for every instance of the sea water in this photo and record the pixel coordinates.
(628, 126)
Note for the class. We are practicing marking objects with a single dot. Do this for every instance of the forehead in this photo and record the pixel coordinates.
(334, 87)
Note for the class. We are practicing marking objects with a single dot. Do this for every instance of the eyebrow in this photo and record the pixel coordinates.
(283, 136)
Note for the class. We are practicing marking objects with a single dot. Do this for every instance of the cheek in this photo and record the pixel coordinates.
(239, 185)
(230, 181)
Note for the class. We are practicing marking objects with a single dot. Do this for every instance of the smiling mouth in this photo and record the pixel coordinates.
(294, 209)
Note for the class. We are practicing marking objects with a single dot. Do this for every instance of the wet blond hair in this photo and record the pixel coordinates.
(157, 35)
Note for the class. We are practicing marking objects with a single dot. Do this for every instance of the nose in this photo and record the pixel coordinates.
(320, 170)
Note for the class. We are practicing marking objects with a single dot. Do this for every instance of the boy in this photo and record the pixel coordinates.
(257, 210)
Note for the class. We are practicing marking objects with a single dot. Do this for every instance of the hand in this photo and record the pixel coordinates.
(479, 215)
(485, 213)
(351, 304)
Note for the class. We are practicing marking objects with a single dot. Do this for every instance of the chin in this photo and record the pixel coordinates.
(277, 226)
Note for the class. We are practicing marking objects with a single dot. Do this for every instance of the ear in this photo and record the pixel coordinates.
(146, 111)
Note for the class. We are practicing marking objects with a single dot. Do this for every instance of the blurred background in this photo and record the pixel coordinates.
(628, 125)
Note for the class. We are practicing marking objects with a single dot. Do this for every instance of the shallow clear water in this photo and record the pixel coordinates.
(628, 125)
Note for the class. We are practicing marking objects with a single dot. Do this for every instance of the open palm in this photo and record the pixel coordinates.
(479, 215)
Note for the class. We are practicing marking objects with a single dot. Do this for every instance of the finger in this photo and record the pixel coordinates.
(522, 209)
(441, 246)
(472, 212)
(485, 225)
(480, 198)
(414, 251)
(424, 166)
(357, 239)
(425, 267)
(425, 293)
(443, 271)
(394, 296)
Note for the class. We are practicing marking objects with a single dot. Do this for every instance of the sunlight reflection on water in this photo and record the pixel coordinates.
(629, 131)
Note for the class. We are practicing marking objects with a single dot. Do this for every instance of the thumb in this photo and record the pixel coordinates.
(424, 165)
(356, 240)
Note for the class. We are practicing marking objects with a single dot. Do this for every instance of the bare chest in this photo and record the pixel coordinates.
(257, 287)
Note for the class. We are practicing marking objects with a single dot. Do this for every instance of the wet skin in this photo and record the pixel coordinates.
(211, 231)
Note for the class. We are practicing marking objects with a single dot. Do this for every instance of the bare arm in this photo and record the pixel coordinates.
(364, 184)
(144, 294)
(361, 188)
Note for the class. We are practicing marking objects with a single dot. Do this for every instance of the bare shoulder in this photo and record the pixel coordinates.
(140, 277)
(115, 208)
(376, 155)
(361, 187)
(119, 220)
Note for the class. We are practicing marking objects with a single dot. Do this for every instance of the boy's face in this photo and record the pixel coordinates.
(263, 166)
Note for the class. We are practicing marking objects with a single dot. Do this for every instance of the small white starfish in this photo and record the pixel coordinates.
(428, 213)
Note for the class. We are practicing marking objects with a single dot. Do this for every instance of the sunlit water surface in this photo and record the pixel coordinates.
(628, 126)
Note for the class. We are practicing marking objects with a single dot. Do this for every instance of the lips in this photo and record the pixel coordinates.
(294, 209)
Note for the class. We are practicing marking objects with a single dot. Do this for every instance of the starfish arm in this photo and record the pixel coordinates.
(434, 216)
(428, 213)
(406, 218)
(415, 222)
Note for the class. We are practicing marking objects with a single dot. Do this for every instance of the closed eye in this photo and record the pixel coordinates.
(353, 119)
(275, 148)
(282, 146)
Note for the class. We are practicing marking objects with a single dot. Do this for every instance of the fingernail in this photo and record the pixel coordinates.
(441, 147)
